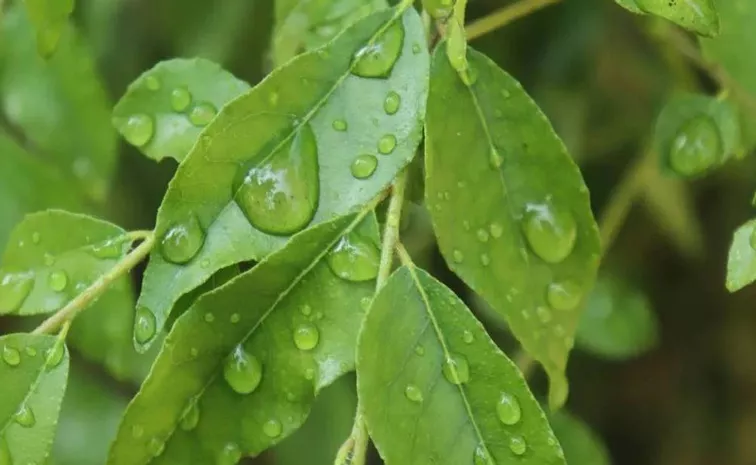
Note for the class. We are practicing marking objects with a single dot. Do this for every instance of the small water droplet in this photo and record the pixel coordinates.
(137, 129)
(57, 280)
(319, 316)
(11, 356)
(49, 260)
(55, 355)
(340, 125)
(364, 166)
(190, 417)
(413, 393)
(156, 447)
(183, 241)
(242, 371)
(696, 147)
(377, 59)
(137, 431)
(144, 325)
(230, 455)
(193, 352)
(458, 256)
(387, 144)
(354, 258)
(309, 374)
(517, 445)
(272, 428)
(14, 288)
(209, 317)
(24, 416)
(551, 232)
(496, 230)
(5, 455)
(456, 370)
(485, 260)
(468, 337)
(180, 99)
(416, 48)
(280, 194)
(153, 83)
(112, 248)
(273, 99)
(392, 103)
(306, 310)
(202, 114)
(30, 351)
(306, 336)
(508, 409)
(505, 93)
(544, 314)
(235, 318)
(564, 295)
(365, 303)
(482, 235)
(35, 237)
(419, 350)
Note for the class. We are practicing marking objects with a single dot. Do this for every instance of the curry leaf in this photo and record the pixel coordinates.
(699, 16)
(50, 18)
(741, 261)
(239, 370)
(165, 109)
(509, 207)
(436, 389)
(582, 446)
(317, 138)
(34, 371)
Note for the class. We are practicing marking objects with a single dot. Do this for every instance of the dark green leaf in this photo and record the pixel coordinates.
(509, 207)
(165, 109)
(741, 261)
(33, 370)
(303, 25)
(60, 104)
(699, 16)
(618, 322)
(248, 358)
(436, 389)
(52, 256)
(50, 18)
(581, 445)
(304, 126)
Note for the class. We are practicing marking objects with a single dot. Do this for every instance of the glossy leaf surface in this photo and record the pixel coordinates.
(34, 371)
(741, 260)
(240, 368)
(581, 445)
(699, 16)
(50, 18)
(436, 389)
(509, 207)
(162, 111)
(280, 157)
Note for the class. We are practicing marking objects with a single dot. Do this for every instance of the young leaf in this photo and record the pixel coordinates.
(741, 261)
(509, 207)
(52, 256)
(239, 370)
(618, 322)
(49, 17)
(699, 16)
(581, 445)
(696, 133)
(34, 371)
(306, 25)
(60, 104)
(165, 109)
(436, 389)
(318, 138)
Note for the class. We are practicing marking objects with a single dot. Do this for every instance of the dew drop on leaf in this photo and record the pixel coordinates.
(36, 237)
(485, 259)
(354, 258)
(5, 455)
(11, 356)
(306, 310)
(54, 355)
(190, 417)
(458, 256)
(209, 317)
(272, 428)
(137, 431)
(364, 166)
(387, 144)
(230, 455)
(544, 314)
(468, 337)
(456, 370)
(182, 241)
(550, 232)
(242, 371)
(156, 447)
(144, 325)
(377, 59)
(496, 230)
(517, 445)
(564, 295)
(306, 336)
(339, 125)
(279, 195)
(413, 393)
(107, 250)
(392, 103)
(57, 280)
(14, 288)
(137, 129)
(508, 409)
(365, 303)
(420, 350)
(234, 318)
(481, 457)
(697, 146)
(482, 235)
(181, 98)
(202, 114)
(309, 374)
(152, 83)
(24, 416)
(31, 351)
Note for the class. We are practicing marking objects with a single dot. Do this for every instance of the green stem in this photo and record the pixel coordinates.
(504, 16)
(97, 288)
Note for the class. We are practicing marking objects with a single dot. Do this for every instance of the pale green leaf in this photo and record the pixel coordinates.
(619, 322)
(436, 389)
(510, 208)
(165, 109)
(699, 16)
(303, 25)
(581, 445)
(60, 104)
(49, 18)
(630, 5)
(34, 371)
(246, 360)
(741, 260)
(304, 126)
(52, 256)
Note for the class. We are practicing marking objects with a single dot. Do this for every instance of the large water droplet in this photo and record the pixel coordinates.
(696, 147)
(508, 409)
(564, 295)
(57, 280)
(229, 455)
(392, 103)
(354, 258)
(243, 371)
(181, 98)
(272, 428)
(14, 288)
(190, 417)
(280, 194)
(138, 129)
(5, 455)
(306, 336)
(387, 144)
(24, 416)
(517, 445)
(202, 114)
(156, 447)
(54, 355)
(551, 232)
(364, 166)
(144, 325)
(182, 241)
(456, 370)
(377, 59)
(413, 393)
(11, 356)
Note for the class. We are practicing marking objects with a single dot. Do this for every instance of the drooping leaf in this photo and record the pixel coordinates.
(34, 371)
(239, 370)
(619, 322)
(581, 445)
(697, 133)
(699, 16)
(303, 25)
(165, 109)
(50, 18)
(509, 207)
(314, 140)
(60, 104)
(741, 260)
(436, 389)
(52, 256)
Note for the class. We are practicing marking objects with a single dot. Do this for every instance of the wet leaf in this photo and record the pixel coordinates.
(156, 114)
(34, 371)
(741, 261)
(239, 370)
(308, 24)
(509, 207)
(699, 16)
(437, 390)
(581, 445)
(280, 157)
(50, 18)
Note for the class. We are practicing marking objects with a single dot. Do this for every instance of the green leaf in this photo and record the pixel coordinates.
(303, 25)
(699, 16)
(50, 18)
(165, 109)
(741, 261)
(697, 133)
(630, 5)
(33, 370)
(249, 357)
(436, 389)
(509, 207)
(305, 125)
(52, 256)
(619, 322)
(60, 104)
(581, 445)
